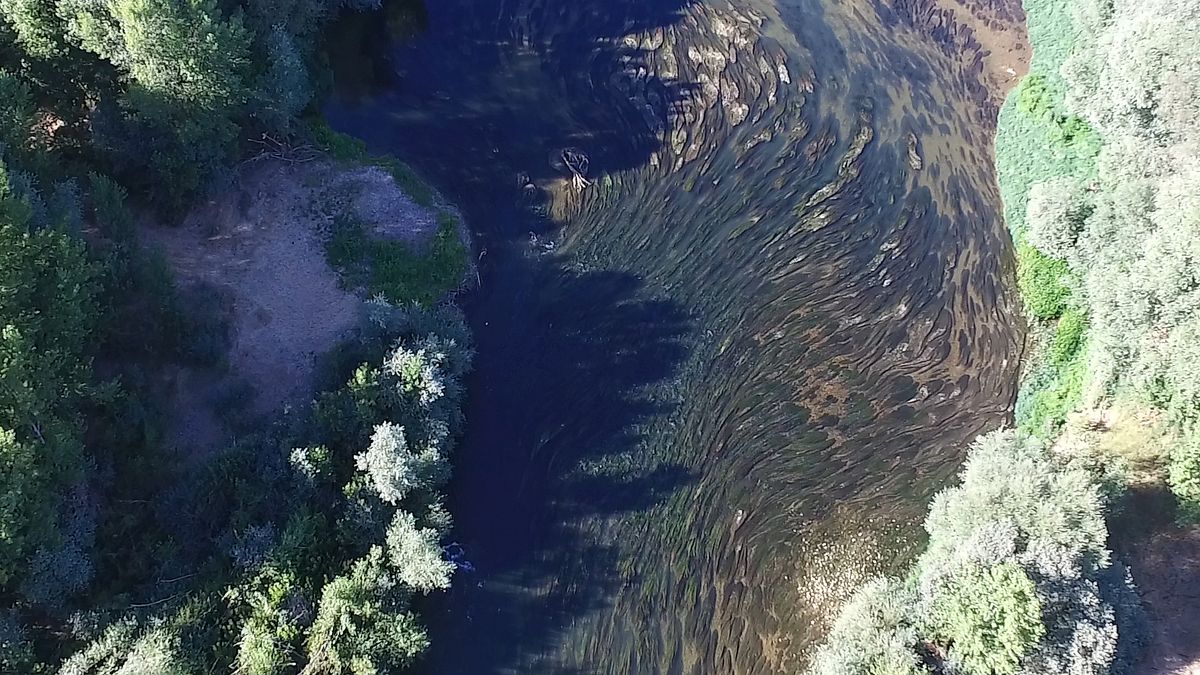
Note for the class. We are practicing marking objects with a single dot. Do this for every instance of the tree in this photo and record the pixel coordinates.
(125, 648)
(179, 51)
(47, 311)
(186, 70)
(389, 463)
(16, 114)
(38, 28)
(1013, 478)
(363, 625)
(16, 652)
(416, 555)
(1056, 214)
(874, 634)
(284, 89)
(273, 625)
(990, 617)
(1015, 578)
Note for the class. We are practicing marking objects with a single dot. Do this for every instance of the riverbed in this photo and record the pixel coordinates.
(743, 300)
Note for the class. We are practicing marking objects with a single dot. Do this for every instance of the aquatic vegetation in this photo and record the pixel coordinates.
(1107, 266)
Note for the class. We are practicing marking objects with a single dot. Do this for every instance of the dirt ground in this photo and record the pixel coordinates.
(258, 246)
(1164, 558)
(1166, 568)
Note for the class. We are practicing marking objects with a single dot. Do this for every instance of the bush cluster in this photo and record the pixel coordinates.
(1016, 579)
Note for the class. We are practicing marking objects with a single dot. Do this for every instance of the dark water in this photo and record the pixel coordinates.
(716, 385)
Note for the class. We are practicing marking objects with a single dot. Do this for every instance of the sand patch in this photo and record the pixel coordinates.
(259, 246)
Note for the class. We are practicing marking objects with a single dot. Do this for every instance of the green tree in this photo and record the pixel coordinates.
(284, 89)
(1057, 212)
(16, 113)
(47, 313)
(416, 555)
(990, 617)
(38, 28)
(186, 70)
(1183, 475)
(874, 634)
(363, 624)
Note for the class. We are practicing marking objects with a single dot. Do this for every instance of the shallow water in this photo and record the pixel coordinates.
(719, 378)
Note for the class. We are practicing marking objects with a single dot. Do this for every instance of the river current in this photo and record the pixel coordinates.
(724, 362)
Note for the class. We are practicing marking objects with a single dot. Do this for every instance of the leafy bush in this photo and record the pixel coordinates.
(393, 268)
(1015, 578)
(1044, 409)
(1068, 337)
(1183, 475)
(1034, 97)
(1043, 282)
(991, 618)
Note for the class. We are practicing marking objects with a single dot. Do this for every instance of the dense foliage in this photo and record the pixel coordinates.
(300, 547)
(162, 94)
(1016, 579)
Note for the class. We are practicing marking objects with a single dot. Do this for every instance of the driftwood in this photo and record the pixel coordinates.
(282, 150)
(577, 163)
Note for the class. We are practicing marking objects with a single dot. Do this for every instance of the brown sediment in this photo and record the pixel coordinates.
(990, 33)
(883, 334)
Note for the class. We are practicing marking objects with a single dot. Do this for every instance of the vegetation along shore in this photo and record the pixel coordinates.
(1027, 566)
(230, 376)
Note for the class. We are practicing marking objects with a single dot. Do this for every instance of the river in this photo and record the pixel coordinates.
(721, 371)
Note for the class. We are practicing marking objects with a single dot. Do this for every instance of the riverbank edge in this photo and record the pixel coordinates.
(347, 149)
(1058, 398)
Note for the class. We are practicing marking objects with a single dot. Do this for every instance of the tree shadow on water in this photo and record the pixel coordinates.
(552, 451)
(573, 365)
(486, 96)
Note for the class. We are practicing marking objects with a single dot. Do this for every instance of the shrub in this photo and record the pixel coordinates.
(1044, 409)
(1043, 282)
(1033, 96)
(990, 617)
(416, 554)
(1068, 337)
(1183, 475)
